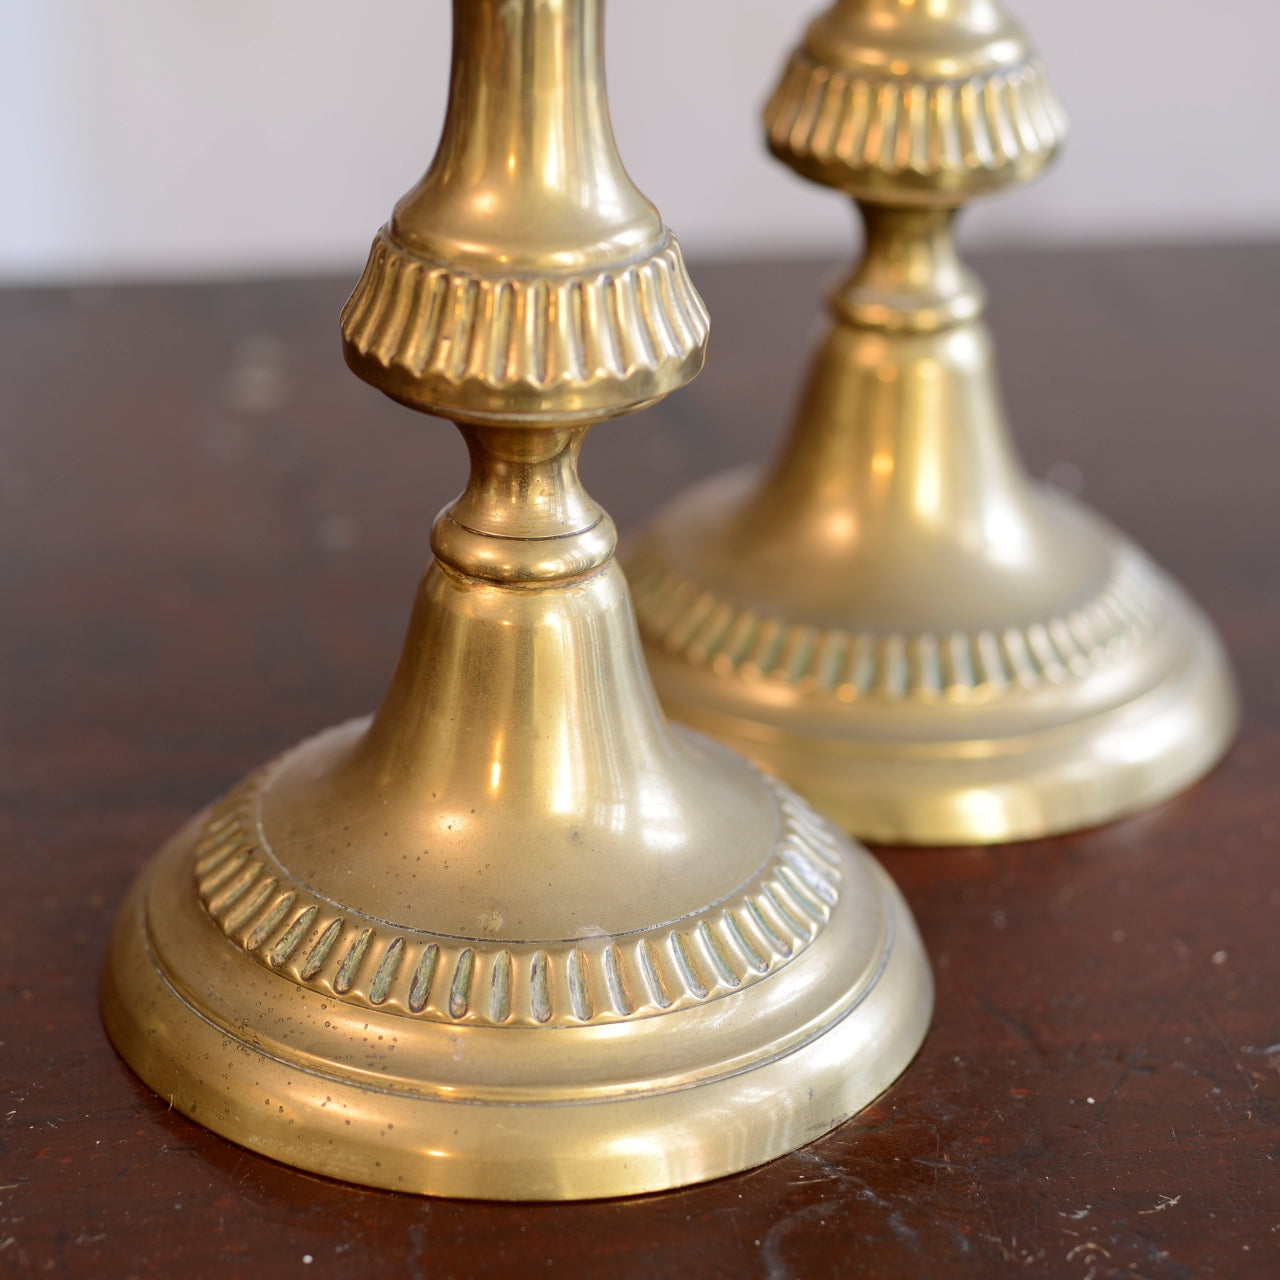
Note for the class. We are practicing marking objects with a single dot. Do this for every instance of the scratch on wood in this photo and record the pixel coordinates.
(1012, 1253)
(1090, 1246)
(1216, 1033)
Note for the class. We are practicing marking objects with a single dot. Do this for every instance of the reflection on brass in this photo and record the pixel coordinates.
(892, 618)
(513, 937)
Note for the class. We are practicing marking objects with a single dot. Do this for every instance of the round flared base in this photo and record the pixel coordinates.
(589, 1068)
(1112, 702)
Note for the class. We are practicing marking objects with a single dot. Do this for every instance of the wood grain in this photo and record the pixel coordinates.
(210, 535)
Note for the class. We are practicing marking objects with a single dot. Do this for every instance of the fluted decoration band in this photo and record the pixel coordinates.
(735, 641)
(933, 141)
(487, 347)
(729, 945)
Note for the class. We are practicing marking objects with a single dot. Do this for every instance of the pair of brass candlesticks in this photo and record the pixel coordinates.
(516, 937)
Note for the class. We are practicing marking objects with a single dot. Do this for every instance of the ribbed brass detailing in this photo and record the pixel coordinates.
(866, 132)
(485, 347)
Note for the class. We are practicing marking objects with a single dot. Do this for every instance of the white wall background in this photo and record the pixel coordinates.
(144, 138)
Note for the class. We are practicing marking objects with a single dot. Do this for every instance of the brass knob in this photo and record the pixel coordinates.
(525, 277)
(905, 104)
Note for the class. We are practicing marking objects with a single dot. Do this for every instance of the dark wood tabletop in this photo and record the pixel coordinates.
(210, 536)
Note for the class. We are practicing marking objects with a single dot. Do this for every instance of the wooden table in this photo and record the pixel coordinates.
(210, 535)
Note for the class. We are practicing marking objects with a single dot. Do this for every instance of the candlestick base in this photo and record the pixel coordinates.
(601, 1064)
(981, 725)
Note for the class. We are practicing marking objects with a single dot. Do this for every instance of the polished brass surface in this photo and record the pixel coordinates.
(892, 618)
(513, 937)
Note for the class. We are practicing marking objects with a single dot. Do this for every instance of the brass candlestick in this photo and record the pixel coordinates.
(513, 938)
(893, 618)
